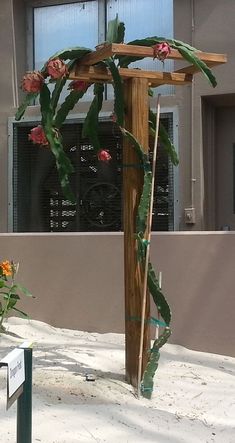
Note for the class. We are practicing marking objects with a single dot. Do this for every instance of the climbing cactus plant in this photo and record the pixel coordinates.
(55, 72)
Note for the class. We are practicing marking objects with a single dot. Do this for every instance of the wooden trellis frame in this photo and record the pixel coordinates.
(136, 84)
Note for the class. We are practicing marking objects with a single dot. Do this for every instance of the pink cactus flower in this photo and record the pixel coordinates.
(38, 137)
(32, 81)
(104, 155)
(78, 85)
(161, 51)
(113, 117)
(57, 68)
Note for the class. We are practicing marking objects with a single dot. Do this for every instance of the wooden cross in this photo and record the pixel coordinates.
(136, 85)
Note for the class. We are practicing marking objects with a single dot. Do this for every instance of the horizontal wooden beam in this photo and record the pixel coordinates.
(108, 50)
(102, 52)
(102, 74)
(192, 69)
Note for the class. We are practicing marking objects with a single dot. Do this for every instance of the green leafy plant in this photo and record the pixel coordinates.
(56, 71)
(9, 291)
(58, 68)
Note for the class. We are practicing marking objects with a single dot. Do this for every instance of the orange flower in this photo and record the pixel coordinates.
(6, 268)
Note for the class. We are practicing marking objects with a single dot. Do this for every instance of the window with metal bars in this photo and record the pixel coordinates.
(38, 202)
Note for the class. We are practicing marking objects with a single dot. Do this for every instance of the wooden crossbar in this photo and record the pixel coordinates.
(144, 51)
(192, 69)
(100, 73)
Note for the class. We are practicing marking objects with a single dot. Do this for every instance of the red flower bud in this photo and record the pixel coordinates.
(104, 155)
(161, 51)
(78, 85)
(113, 117)
(32, 82)
(57, 68)
(37, 136)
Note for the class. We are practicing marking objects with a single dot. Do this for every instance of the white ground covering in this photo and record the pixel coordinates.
(193, 399)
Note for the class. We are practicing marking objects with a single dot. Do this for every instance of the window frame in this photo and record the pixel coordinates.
(175, 118)
(175, 137)
(31, 4)
(76, 114)
(79, 118)
(33, 120)
(102, 29)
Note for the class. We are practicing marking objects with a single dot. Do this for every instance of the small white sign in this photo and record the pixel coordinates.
(15, 370)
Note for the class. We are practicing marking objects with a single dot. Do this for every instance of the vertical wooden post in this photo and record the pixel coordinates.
(137, 108)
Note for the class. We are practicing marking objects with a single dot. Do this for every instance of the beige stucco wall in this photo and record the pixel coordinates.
(77, 288)
(207, 25)
(78, 278)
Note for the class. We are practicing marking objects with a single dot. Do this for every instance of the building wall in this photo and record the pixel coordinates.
(78, 278)
(6, 102)
(208, 25)
(202, 26)
(79, 289)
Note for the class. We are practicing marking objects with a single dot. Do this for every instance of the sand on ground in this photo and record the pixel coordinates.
(193, 399)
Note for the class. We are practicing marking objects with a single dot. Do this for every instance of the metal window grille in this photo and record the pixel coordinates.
(38, 202)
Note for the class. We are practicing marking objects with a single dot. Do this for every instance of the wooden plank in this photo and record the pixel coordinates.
(91, 73)
(96, 74)
(96, 56)
(136, 121)
(144, 51)
(192, 69)
(158, 77)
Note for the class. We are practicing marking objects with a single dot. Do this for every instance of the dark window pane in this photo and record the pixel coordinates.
(39, 205)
